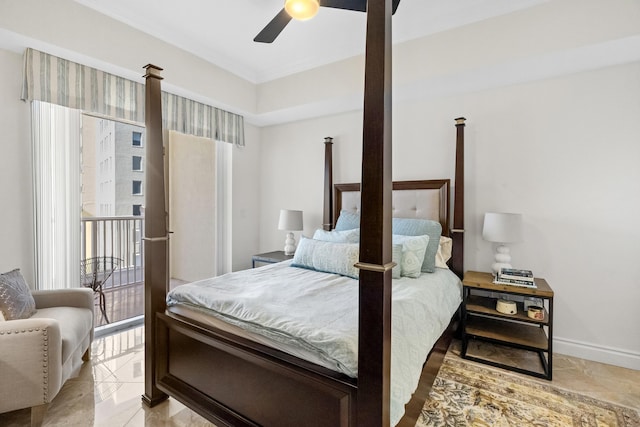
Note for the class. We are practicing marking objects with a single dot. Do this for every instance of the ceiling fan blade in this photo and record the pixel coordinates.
(273, 28)
(395, 6)
(357, 5)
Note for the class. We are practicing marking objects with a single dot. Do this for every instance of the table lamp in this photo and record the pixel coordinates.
(290, 221)
(502, 228)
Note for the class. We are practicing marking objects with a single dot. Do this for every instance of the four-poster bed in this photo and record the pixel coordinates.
(236, 381)
(253, 379)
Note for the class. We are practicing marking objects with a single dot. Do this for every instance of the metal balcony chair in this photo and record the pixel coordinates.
(94, 272)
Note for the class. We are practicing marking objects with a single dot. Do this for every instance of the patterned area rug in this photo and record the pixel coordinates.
(465, 394)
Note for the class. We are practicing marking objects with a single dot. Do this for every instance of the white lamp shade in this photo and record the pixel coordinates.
(290, 220)
(502, 227)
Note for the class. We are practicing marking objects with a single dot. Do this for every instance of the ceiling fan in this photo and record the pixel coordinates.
(307, 9)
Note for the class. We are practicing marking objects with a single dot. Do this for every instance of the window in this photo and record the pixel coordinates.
(137, 187)
(136, 163)
(137, 210)
(137, 139)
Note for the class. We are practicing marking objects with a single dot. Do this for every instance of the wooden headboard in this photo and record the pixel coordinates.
(428, 199)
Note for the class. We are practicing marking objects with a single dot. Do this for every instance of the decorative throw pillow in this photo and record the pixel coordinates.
(337, 236)
(420, 227)
(329, 257)
(413, 250)
(16, 301)
(347, 221)
(444, 252)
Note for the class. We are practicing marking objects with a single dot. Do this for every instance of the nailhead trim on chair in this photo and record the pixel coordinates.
(45, 387)
(45, 353)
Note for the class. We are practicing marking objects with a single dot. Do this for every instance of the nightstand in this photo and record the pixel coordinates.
(481, 321)
(269, 258)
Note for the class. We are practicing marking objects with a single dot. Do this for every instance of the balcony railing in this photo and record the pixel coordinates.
(119, 237)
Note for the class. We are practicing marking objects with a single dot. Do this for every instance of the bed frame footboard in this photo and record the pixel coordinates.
(235, 382)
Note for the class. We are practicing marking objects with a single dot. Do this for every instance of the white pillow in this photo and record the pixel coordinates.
(345, 236)
(328, 257)
(444, 252)
(413, 250)
(304, 262)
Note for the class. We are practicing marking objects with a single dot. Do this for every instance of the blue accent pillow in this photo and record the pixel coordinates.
(328, 257)
(413, 249)
(421, 227)
(337, 236)
(347, 221)
(406, 227)
(338, 258)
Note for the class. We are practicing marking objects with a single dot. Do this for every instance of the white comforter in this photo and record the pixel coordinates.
(319, 312)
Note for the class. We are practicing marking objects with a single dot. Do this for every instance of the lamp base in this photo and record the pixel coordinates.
(502, 259)
(290, 244)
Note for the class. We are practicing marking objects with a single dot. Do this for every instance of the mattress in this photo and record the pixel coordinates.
(314, 316)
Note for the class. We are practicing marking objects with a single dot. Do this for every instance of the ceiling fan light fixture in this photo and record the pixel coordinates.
(302, 9)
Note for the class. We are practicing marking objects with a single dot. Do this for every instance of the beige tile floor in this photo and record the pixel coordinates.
(598, 380)
(108, 390)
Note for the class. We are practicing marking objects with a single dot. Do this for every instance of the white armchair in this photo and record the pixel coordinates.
(38, 354)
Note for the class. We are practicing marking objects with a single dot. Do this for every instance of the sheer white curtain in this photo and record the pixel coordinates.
(56, 179)
(224, 211)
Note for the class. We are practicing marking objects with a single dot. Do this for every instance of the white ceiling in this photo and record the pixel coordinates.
(222, 31)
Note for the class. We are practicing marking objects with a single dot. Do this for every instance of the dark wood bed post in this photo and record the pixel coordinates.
(375, 264)
(156, 235)
(457, 232)
(327, 216)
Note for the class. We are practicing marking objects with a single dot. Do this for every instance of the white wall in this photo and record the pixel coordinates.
(16, 214)
(562, 151)
(246, 199)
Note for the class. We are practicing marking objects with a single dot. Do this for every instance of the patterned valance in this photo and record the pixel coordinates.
(194, 118)
(59, 81)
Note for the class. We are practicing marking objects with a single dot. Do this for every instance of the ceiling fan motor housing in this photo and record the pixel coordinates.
(302, 9)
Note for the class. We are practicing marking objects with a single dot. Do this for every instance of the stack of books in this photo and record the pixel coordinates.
(515, 277)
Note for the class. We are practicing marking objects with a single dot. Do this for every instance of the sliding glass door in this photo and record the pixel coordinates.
(89, 190)
(112, 224)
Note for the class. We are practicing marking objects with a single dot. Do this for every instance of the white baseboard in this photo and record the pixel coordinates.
(609, 355)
